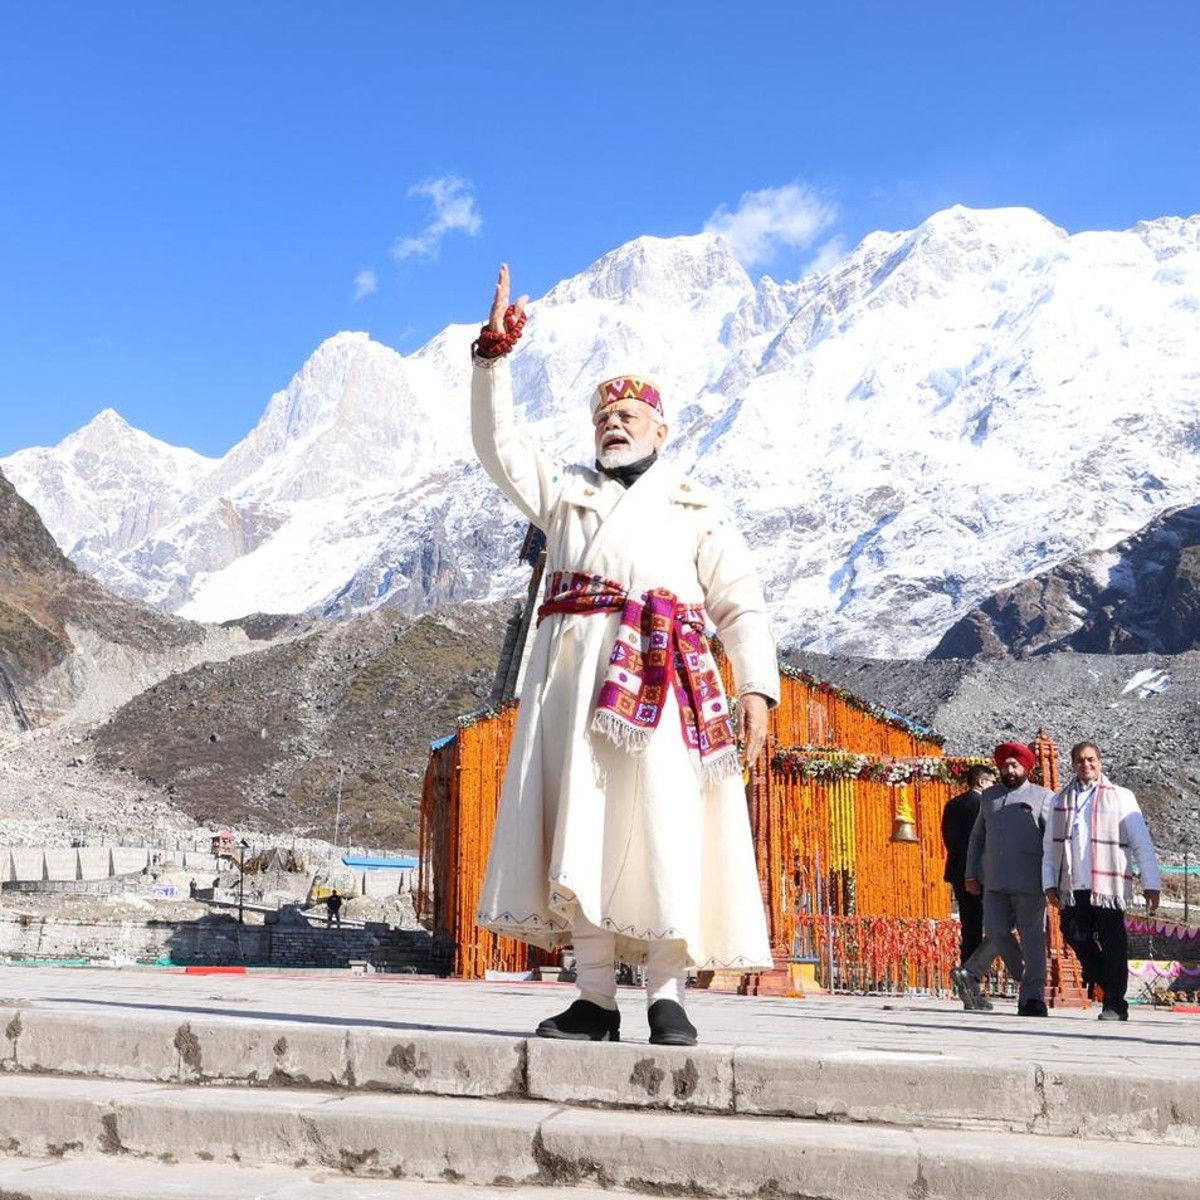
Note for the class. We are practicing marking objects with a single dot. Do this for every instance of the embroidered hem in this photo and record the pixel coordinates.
(621, 733)
(552, 928)
(551, 935)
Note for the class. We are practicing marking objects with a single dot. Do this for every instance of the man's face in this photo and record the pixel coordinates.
(1087, 764)
(986, 781)
(1013, 773)
(627, 431)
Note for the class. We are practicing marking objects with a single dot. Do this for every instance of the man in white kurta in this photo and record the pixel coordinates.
(631, 845)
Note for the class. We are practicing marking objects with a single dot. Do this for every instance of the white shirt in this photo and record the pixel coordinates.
(1082, 797)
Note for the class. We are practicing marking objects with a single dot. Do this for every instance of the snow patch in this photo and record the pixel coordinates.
(1151, 681)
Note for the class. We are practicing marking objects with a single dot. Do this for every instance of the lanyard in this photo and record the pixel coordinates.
(1083, 798)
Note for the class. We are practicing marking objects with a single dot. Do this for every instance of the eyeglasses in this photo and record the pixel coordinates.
(627, 414)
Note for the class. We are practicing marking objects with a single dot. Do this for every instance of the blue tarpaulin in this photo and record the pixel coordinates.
(379, 864)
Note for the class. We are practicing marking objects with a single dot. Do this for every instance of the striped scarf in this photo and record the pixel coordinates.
(1111, 883)
(660, 644)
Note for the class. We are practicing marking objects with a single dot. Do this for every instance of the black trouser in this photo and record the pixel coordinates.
(970, 917)
(1106, 963)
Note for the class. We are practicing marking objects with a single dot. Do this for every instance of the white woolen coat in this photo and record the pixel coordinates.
(635, 843)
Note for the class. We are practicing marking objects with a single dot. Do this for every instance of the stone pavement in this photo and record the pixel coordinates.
(327, 1079)
(890, 1028)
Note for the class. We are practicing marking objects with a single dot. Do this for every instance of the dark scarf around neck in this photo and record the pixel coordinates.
(628, 475)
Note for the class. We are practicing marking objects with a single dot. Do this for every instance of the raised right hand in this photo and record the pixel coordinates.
(500, 301)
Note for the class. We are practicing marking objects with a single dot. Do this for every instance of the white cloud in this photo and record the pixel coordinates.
(453, 211)
(828, 255)
(365, 283)
(764, 221)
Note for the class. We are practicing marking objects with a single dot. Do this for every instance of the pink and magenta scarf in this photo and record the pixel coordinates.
(660, 643)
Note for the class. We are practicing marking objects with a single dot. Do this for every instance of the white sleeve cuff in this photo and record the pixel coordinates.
(768, 691)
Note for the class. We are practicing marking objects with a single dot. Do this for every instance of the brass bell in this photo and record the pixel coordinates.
(904, 819)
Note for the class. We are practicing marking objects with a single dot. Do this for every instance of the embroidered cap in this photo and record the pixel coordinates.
(626, 387)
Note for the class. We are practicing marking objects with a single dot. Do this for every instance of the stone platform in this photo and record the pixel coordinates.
(141, 1082)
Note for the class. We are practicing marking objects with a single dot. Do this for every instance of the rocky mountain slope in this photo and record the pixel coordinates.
(329, 728)
(900, 436)
(1142, 596)
(259, 743)
(122, 722)
(264, 742)
(66, 644)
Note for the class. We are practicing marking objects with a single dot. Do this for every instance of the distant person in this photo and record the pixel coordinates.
(1004, 863)
(333, 909)
(192, 888)
(1095, 833)
(958, 819)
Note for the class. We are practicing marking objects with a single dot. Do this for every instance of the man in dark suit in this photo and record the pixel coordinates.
(958, 818)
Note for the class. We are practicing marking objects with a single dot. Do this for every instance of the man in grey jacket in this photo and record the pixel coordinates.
(1004, 862)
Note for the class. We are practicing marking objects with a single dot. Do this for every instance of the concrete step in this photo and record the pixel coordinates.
(502, 1143)
(113, 1178)
(1113, 1099)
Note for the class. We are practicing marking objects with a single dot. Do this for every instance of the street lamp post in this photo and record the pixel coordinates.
(242, 880)
(337, 816)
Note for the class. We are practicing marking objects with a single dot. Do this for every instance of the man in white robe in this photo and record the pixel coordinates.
(621, 828)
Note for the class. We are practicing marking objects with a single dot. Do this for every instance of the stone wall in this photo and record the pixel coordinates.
(116, 885)
(20, 864)
(31, 863)
(214, 941)
(209, 940)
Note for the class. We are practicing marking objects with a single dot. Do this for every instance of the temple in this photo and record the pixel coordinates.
(845, 808)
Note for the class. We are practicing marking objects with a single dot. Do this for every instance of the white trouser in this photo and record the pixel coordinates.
(595, 954)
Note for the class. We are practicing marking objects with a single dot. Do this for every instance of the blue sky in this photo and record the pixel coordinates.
(193, 197)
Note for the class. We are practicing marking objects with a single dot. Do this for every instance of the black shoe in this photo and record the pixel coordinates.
(583, 1022)
(967, 988)
(669, 1025)
(1111, 1014)
(1033, 1007)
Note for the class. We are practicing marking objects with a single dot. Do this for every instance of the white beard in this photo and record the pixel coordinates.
(623, 456)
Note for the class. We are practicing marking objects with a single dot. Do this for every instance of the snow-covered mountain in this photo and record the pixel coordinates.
(946, 412)
(105, 489)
